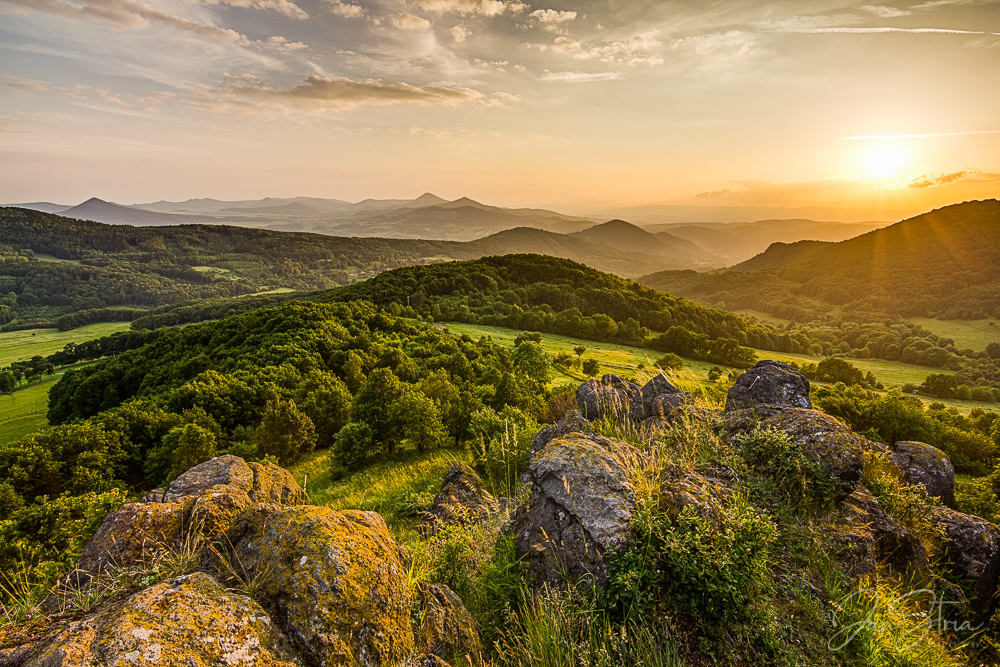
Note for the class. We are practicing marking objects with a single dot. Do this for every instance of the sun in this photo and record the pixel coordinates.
(885, 161)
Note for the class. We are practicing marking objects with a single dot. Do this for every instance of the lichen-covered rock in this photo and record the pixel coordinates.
(136, 534)
(827, 441)
(681, 488)
(667, 405)
(641, 406)
(581, 506)
(446, 628)
(200, 504)
(769, 383)
(972, 550)
(867, 536)
(597, 400)
(262, 482)
(926, 465)
(571, 422)
(619, 383)
(462, 498)
(335, 581)
(190, 620)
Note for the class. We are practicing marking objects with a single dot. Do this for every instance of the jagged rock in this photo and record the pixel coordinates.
(769, 383)
(642, 403)
(972, 547)
(580, 507)
(867, 536)
(619, 383)
(191, 620)
(827, 441)
(681, 488)
(427, 661)
(335, 581)
(923, 464)
(462, 498)
(202, 503)
(666, 405)
(571, 422)
(598, 400)
(136, 534)
(446, 628)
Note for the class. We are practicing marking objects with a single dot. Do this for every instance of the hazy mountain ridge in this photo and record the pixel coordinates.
(945, 263)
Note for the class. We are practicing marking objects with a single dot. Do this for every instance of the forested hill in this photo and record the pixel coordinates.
(109, 272)
(945, 263)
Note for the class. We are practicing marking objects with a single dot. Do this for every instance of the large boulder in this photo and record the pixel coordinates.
(191, 620)
(972, 550)
(657, 398)
(580, 507)
(867, 536)
(827, 441)
(199, 506)
(336, 582)
(681, 488)
(928, 466)
(571, 422)
(767, 386)
(445, 627)
(609, 398)
(462, 498)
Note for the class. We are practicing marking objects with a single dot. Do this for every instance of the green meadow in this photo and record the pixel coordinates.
(967, 334)
(23, 345)
(23, 411)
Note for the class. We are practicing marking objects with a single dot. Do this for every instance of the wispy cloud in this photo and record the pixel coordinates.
(926, 135)
(934, 180)
(126, 14)
(345, 9)
(874, 31)
(340, 92)
(640, 49)
(580, 77)
(884, 12)
(82, 92)
(286, 7)
(481, 7)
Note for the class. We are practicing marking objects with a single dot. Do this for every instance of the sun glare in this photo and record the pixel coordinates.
(885, 161)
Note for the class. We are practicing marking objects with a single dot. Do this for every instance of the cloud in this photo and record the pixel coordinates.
(79, 91)
(345, 9)
(342, 93)
(552, 19)
(580, 77)
(480, 7)
(875, 31)
(935, 180)
(733, 42)
(983, 43)
(279, 41)
(410, 22)
(634, 51)
(460, 33)
(286, 7)
(127, 14)
(883, 12)
(921, 136)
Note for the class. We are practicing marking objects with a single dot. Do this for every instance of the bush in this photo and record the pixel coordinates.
(353, 445)
(781, 472)
(672, 362)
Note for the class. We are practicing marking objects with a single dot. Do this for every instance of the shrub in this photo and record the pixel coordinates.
(671, 361)
(781, 472)
(353, 445)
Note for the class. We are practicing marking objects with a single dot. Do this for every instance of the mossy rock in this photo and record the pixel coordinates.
(335, 581)
(190, 620)
(462, 498)
(446, 628)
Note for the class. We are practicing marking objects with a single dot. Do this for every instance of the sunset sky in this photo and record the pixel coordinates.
(578, 106)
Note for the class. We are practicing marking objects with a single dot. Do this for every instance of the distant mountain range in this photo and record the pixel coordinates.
(945, 263)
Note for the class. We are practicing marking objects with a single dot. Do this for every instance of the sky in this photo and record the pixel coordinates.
(577, 106)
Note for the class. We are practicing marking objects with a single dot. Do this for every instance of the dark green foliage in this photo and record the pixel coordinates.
(940, 385)
(778, 473)
(285, 432)
(893, 417)
(835, 369)
(671, 361)
(591, 367)
(353, 446)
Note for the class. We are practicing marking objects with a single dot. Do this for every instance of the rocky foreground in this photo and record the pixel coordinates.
(319, 587)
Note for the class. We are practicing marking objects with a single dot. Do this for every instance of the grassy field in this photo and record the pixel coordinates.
(23, 412)
(389, 487)
(968, 334)
(619, 358)
(42, 257)
(23, 345)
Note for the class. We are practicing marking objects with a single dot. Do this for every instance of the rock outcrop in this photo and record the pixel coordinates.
(972, 550)
(201, 503)
(190, 620)
(446, 628)
(335, 582)
(462, 498)
(928, 466)
(867, 536)
(609, 398)
(571, 422)
(580, 507)
(657, 398)
(827, 441)
(767, 386)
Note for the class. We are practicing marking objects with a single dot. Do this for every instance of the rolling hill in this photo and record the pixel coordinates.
(945, 263)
